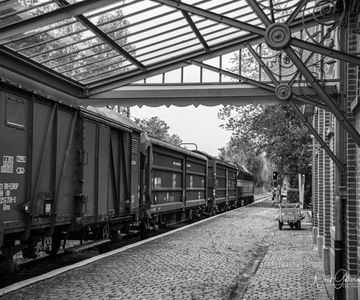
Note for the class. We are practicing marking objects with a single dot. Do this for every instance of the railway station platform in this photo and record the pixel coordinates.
(238, 255)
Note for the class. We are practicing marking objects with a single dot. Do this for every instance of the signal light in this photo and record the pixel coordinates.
(275, 175)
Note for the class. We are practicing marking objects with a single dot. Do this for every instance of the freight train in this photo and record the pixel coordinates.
(90, 174)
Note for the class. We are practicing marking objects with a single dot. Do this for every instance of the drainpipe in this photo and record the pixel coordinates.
(340, 176)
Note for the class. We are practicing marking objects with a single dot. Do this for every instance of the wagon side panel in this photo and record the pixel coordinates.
(14, 130)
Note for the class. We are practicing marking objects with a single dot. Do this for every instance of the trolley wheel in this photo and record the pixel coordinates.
(298, 224)
(291, 225)
(280, 225)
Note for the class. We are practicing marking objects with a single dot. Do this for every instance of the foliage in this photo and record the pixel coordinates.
(239, 154)
(292, 195)
(70, 47)
(273, 130)
(158, 129)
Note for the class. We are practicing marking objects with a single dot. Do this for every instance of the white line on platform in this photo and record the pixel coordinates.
(59, 271)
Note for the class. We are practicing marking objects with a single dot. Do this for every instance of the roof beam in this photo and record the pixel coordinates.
(103, 36)
(323, 95)
(323, 144)
(261, 32)
(32, 70)
(260, 13)
(181, 61)
(296, 11)
(259, 84)
(195, 30)
(325, 51)
(213, 16)
(53, 17)
(183, 95)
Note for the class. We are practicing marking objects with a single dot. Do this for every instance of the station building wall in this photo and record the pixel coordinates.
(326, 180)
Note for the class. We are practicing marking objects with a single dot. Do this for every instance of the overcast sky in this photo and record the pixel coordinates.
(199, 125)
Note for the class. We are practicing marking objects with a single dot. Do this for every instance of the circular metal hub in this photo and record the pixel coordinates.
(277, 36)
(283, 92)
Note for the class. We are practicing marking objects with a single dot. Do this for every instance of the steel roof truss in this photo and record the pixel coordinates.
(263, 65)
(21, 65)
(103, 36)
(52, 17)
(323, 144)
(213, 16)
(296, 12)
(195, 30)
(323, 95)
(257, 30)
(253, 82)
(264, 18)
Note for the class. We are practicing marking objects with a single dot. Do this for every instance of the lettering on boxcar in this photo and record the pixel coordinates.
(7, 164)
(20, 159)
(20, 170)
(7, 197)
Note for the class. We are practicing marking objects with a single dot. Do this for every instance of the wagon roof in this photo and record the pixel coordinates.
(213, 158)
(112, 116)
(161, 143)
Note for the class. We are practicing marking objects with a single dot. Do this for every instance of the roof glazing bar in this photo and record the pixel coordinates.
(52, 17)
(213, 16)
(195, 30)
(99, 33)
(296, 12)
(260, 13)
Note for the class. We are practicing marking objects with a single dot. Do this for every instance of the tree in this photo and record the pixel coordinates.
(69, 47)
(158, 129)
(273, 130)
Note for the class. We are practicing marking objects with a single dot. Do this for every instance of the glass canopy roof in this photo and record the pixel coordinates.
(95, 46)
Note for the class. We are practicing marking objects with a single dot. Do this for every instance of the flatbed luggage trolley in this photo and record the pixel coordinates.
(291, 214)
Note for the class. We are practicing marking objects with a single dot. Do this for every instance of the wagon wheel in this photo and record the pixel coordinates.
(106, 231)
(280, 225)
(55, 245)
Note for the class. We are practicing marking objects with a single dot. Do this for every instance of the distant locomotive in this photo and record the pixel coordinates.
(74, 173)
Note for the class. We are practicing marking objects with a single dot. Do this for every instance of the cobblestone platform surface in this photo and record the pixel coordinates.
(239, 255)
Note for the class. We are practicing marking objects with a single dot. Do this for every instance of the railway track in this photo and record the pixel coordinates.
(45, 267)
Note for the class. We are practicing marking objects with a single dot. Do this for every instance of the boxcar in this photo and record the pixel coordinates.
(245, 186)
(222, 188)
(174, 182)
(65, 172)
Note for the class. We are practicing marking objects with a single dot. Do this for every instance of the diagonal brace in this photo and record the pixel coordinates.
(252, 82)
(103, 36)
(323, 144)
(195, 30)
(323, 95)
